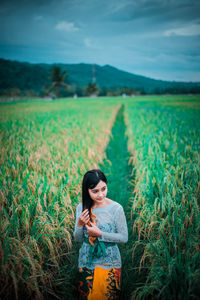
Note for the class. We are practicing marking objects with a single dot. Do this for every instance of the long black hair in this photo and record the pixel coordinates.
(90, 180)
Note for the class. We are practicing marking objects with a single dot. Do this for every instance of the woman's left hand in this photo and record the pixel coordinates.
(93, 230)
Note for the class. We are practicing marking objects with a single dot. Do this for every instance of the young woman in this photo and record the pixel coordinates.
(100, 225)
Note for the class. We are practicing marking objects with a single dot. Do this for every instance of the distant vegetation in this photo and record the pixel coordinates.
(92, 89)
(26, 79)
(57, 81)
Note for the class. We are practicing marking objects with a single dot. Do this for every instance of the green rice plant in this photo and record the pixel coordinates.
(45, 150)
(164, 140)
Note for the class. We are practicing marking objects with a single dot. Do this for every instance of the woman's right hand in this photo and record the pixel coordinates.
(84, 218)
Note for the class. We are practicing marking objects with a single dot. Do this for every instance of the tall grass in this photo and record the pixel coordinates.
(45, 150)
(164, 139)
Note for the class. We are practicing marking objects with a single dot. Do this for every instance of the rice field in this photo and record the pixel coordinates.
(164, 140)
(46, 147)
(45, 150)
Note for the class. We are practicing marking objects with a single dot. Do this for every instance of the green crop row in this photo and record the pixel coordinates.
(164, 140)
(45, 150)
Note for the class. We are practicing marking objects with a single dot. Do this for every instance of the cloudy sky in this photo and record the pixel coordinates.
(156, 38)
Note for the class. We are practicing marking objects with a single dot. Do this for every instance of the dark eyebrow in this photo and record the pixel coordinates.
(97, 189)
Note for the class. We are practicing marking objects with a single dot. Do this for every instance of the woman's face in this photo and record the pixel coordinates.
(99, 192)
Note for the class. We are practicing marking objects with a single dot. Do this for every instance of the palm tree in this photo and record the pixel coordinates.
(58, 80)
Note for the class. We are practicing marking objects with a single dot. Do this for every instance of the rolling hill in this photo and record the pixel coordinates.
(28, 76)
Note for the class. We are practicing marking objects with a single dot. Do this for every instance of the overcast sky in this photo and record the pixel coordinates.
(159, 39)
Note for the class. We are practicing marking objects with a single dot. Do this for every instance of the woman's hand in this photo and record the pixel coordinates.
(84, 218)
(93, 230)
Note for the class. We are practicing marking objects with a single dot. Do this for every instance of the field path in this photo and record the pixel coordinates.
(120, 187)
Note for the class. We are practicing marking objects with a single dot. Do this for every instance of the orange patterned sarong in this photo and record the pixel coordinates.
(99, 284)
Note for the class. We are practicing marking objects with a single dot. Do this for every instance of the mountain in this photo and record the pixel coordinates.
(28, 76)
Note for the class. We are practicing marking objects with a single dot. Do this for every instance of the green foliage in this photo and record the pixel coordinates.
(13, 92)
(111, 81)
(45, 150)
(92, 89)
(46, 147)
(57, 78)
(164, 140)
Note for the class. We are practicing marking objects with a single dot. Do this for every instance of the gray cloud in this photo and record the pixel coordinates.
(142, 36)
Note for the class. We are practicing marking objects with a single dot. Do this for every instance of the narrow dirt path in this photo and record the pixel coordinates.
(120, 188)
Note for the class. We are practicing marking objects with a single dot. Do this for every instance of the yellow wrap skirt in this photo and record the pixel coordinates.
(99, 284)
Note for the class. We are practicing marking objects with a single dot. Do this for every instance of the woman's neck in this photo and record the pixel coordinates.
(101, 204)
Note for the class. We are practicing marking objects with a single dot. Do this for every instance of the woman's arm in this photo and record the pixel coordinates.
(78, 231)
(121, 236)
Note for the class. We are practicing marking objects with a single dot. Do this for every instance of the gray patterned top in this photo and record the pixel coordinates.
(112, 222)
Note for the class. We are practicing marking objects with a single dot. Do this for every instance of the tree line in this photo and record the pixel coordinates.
(43, 81)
